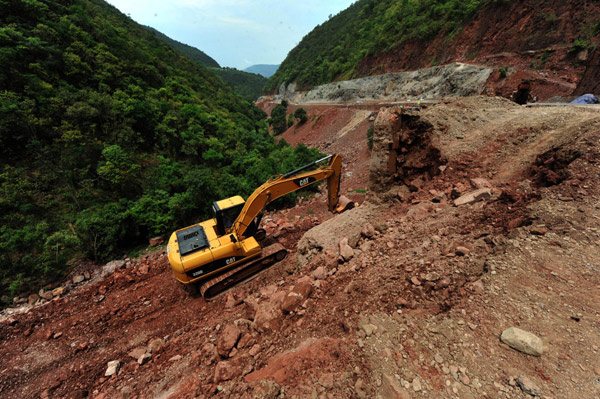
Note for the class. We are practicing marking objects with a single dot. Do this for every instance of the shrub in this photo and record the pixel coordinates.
(503, 71)
(370, 133)
(278, 118)
(301, 116)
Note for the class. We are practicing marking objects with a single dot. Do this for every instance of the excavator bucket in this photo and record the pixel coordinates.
(344, 204)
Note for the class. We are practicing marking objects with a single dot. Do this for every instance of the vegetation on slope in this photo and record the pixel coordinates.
(108, 136)
(334, 49)
(247, 85)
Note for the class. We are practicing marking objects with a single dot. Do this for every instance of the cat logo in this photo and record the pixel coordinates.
(303, 182)
(229, 261)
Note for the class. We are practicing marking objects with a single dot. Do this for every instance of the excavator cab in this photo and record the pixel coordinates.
(226, 211)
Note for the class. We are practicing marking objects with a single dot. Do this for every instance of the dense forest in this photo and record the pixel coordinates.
(109, 136)
(247, 85)
(334, 49)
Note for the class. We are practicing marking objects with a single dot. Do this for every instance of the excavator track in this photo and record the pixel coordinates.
(271, 254)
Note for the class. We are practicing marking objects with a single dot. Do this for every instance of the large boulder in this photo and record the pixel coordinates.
(328, 234)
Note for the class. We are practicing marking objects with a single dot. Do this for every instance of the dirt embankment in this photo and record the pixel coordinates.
(481, 215)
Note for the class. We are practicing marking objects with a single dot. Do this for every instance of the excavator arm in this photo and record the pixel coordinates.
(281, 185)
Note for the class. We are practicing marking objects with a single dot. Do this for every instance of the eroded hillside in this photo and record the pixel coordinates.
(480, 216)
(551, 43)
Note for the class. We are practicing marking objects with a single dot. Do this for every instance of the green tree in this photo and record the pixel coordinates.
(301, 116)
(278, 118)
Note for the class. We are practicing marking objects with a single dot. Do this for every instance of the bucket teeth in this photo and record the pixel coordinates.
(344, 204)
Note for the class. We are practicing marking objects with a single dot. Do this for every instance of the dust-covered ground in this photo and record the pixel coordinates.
(404, 296)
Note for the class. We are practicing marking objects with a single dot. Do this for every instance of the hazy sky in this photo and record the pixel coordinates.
(236, 33)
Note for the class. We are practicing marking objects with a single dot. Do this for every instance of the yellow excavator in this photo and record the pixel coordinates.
(224, 251)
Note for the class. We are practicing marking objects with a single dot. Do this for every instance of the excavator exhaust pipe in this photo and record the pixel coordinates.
(344, 204)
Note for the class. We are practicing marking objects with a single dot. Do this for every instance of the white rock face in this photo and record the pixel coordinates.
(523, 341)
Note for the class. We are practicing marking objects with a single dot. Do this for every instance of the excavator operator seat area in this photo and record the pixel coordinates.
(226, 211)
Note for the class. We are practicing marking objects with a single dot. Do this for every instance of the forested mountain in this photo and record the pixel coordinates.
(265, 70)
(190, 51)
(378, 36)
(109, 136)
(247, 85)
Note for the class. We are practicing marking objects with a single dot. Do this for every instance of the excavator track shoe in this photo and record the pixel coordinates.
(271, 255)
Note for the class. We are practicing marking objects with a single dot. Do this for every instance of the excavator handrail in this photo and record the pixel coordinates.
(293, 172)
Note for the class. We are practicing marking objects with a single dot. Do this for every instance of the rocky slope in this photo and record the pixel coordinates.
(480, 216)
(453, 80)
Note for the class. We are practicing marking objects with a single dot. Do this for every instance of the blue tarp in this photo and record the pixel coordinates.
(586, 99)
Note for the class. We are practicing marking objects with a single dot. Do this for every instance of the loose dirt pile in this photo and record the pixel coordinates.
(496, 228)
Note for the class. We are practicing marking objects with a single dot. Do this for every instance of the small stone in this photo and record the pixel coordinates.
(528, 386)
(346, 251)
(145, 358)
(480, 183)
(267, 389)
(58, 291)
(227, 340)
(462, 251)
(78, 279)
(416, 385)
(369, 329)
(255, 350)
(319, 273)
(415, 281)
(368, 231)
(154, 241)
(327, 380)
(33, 298)
(538, 231)
(523, 341)
(438, 358)
(112, 368)
(465, 379)
(155, 345)
(472, 197)
(137, 353)
(224, 371)
(47, 295)
(443, 283)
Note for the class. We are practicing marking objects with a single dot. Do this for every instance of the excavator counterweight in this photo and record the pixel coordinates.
(225, 250)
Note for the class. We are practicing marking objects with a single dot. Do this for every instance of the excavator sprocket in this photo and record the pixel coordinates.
(270, 255)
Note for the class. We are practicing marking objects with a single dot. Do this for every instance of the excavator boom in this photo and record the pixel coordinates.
(281, 185)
